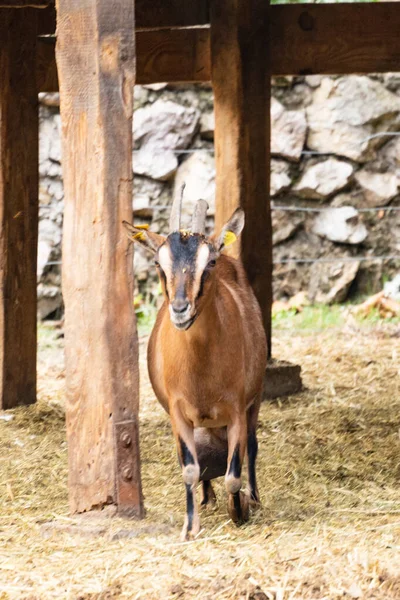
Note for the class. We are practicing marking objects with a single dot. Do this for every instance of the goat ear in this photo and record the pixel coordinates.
(231, 230)
(147, 239)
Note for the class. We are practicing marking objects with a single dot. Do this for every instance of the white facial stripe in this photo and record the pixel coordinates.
(165, 260)
(202, 259)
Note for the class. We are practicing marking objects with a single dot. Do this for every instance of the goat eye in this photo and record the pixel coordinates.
(212, 263)
(156, 263)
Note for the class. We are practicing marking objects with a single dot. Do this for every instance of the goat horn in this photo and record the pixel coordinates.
(175, 217)
(199, 217)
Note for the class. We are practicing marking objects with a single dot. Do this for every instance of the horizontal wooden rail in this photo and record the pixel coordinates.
(25, 3)
(305, 39)
(157, 14)
(149, 14)
(335, 38)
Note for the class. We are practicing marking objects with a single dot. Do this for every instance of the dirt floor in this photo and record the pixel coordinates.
(329, 475)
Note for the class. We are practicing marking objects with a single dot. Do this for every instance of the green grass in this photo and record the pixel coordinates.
(311, 317)
(46, 336)
(321, 316)
(317, 317)
(145, 316)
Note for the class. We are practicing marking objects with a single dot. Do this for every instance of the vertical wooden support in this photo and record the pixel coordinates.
(18, 206)
(241, 79)
(96, 65)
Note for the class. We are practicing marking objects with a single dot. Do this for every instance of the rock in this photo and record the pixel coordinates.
(322, 179)
(392, 81)
(341, 225)
(140, 97)
(49, 99)
(284, 81)
(198, 173)
(45, 249)
(146, 193)
(369, 278)
(157, 164)
(314, 81)
(280, 179)
(155, 87)
(49, 142)
(49, 242)
(207, 125)
(389, 156)
(392, 288)
(295, 97)
(353, 198)
(141, 264)
(284, 225)
(49, 299)
(165, 125)
(379, 188)
(288, 131)
(346, 111)
(330, 282)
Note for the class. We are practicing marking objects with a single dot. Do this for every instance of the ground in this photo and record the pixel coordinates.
(329, 474)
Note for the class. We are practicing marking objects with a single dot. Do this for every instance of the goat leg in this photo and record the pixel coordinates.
(209, 499)
(184, 438)
(238, 502)
(252, 450)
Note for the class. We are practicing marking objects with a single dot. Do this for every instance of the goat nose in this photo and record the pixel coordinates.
(180, 306)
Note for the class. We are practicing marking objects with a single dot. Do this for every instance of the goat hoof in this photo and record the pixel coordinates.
(238, 507)
(255, 503)
(209, 500)
(186, 535)
(209, 504)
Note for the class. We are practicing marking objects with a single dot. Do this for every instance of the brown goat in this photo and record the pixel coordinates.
(206, 359)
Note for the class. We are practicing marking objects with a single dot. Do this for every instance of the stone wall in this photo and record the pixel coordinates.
(334, 152)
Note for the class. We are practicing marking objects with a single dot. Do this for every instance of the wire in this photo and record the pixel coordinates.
(285, 261)
(325, 208)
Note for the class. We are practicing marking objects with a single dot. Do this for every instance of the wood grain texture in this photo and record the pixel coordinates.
(47, 19)
(241, 81)
(171, 13)
(96, 60)
(335, 38)
(173, 55)
(25, 4)
(46, 66)
(305, 38)
(19, 129)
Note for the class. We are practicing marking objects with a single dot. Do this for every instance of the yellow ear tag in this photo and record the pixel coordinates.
(145, 227)
(139, 236)
(229, 238)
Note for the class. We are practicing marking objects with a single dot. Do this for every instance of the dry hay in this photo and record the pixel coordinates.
(329, 473)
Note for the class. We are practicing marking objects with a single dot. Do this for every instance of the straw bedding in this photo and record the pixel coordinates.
(329, 477)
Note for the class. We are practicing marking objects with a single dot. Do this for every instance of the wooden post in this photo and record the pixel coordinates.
(96, 61)
(18, 206)
(240, 72)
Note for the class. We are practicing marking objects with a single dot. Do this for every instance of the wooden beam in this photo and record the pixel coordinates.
(335, 39)
(241, 81)
(18, 207)
(173, 55)
(46, 66)
(96, 65)
(47, 20)
(24, 4)
(162, 14)
(305, 38)
(171, 13)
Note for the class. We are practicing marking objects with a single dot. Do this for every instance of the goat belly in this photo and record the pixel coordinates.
(212, 452)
